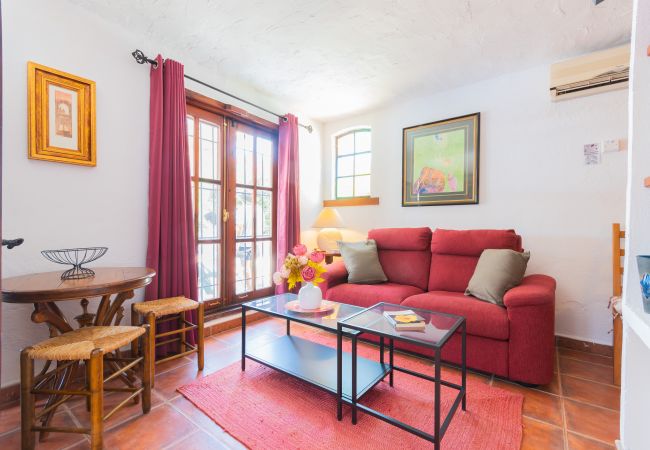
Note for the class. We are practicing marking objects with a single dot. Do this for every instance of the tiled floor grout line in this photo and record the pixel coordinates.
(591, 381)
(199, 426)
(592, 438)
(542, 421)
(592, 405)
(573, 358)
(565, 433)
(181, 439)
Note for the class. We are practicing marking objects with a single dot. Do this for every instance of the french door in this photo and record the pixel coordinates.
(233, 167)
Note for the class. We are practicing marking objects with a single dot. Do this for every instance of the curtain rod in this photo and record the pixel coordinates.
(141, 58)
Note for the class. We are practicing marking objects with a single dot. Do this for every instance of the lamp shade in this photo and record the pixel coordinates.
(328, 218)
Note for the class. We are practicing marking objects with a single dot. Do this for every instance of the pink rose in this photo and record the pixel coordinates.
(300, 250)
(277, 278)
(284, 271)
(308, 273)
(317, 257)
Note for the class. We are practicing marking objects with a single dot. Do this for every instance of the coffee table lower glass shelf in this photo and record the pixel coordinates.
(306, 360)
(316, 364)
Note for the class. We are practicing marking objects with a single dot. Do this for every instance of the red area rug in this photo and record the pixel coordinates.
(265, 409)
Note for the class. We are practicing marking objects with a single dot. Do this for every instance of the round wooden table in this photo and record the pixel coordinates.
(114, 285)
(45, 289)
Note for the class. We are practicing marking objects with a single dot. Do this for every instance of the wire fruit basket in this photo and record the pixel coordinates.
(76, 257)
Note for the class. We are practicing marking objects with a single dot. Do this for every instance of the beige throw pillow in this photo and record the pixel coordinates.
(362, 262)
(496, 272)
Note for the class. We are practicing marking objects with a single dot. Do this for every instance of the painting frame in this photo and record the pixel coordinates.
(61, 116)
(433, 186)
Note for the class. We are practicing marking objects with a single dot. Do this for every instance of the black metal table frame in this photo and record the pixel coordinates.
(439, 429)
(351, 334)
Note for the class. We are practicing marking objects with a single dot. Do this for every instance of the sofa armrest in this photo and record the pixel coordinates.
(531, 345)
(336, 274)
(533, 290)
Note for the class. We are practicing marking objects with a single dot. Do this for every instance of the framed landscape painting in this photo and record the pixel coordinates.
(61, 116)
(440, 162)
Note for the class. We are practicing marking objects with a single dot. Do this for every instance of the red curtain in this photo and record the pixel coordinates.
(288, 210)
(171, 245)
(0, 168)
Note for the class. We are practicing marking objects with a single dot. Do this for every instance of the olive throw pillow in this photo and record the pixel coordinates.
(496, 272)
(362, 262)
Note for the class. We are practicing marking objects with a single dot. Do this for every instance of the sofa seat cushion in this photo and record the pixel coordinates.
(483, 319)
(366, 295)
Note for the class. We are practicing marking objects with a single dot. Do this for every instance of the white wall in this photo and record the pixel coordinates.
(59, 205)
(635, 395)
(532, 179)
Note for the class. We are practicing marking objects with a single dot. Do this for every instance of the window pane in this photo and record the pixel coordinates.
(264, 214)
(244, 213)
(209, 208)
(209, 141)
(190, 143)
(362, 164)
(362, 186)
(209, 271)
(263, 263)
(362, 141)
(345, 144)
(345, 166)
(244, 151)
(264, 162)
(243, 267)
(206, 130)
(344, 187)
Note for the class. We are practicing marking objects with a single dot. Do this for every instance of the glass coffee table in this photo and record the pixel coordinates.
(438, 330)
(307, 360)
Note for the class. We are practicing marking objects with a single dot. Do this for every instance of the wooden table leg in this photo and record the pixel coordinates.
(84, 319)
(111, 311)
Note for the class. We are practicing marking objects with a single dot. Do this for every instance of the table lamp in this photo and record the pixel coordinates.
(329, 221)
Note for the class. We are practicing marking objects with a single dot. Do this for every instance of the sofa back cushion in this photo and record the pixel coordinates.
(455, 253)
(404, 254)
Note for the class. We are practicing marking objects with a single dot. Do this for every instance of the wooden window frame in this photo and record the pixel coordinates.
(232, 190)
(232, 116)
(341, 201)
(198, 115)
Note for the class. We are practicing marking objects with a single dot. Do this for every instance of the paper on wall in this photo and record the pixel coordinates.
(592, 154)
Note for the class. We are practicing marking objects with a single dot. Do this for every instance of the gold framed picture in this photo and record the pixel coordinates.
(440, 162)
(61, 116)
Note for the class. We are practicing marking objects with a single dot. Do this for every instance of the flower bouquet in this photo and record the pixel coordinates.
(304, 267)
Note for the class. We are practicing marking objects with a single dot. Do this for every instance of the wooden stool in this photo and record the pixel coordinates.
(176, 307)
(90, 344)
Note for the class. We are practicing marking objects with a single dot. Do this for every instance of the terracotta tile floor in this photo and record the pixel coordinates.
(578, 410)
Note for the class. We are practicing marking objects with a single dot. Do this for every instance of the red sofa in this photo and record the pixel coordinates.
(431, 271)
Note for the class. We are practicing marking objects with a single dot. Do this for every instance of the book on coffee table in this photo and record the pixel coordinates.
(405, 320)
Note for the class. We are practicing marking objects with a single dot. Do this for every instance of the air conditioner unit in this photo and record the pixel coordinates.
(591, 74)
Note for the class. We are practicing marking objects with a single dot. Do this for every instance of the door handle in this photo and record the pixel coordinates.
(11, 243)
(226, 215)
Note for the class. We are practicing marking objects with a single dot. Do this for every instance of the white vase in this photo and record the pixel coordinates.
(310, 296)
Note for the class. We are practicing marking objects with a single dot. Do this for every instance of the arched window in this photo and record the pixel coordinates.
(352, 165)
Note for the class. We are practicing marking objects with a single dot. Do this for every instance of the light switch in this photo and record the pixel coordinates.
(614, 145)
(610, 145)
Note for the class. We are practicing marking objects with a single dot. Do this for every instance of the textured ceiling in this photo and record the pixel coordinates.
(330, 58)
